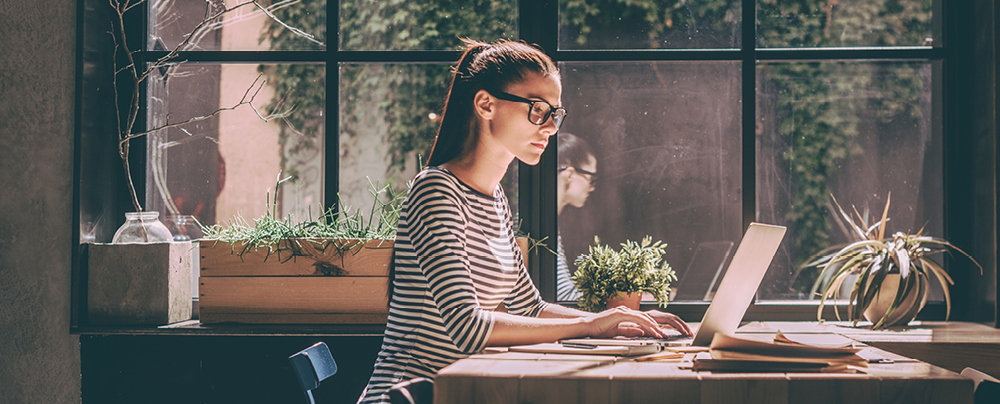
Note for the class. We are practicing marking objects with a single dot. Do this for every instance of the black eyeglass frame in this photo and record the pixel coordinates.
(531, 105)
(592, 176)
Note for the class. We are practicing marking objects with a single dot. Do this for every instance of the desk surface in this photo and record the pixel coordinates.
(546, 378)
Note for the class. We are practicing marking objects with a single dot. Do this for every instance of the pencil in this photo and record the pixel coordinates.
(664, 355)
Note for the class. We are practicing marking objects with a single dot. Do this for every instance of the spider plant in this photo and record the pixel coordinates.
(871, 257)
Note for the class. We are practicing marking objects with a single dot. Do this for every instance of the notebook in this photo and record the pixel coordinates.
(733, 298)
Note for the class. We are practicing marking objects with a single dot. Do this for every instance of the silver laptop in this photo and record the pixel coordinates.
(732, 299)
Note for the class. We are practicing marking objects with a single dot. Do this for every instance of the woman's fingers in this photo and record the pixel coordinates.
(671, 320)
(609, 321)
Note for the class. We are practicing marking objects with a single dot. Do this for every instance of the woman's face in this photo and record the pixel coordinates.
(578, 184)
(510, 126)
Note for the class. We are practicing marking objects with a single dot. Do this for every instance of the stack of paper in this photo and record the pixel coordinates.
(584, 349)
(813, 353)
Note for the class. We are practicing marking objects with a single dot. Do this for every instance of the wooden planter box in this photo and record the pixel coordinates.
(315, 285)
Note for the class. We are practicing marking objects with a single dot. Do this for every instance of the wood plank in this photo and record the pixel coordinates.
(212, 317)
(652, 390)
(984, 357)
(297, 258)
(466, 389)
(819, 388)
(565, 391)
(293, 295)
(926, 391)
(764, 388)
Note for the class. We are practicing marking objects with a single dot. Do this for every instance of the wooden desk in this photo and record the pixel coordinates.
(952, 345)
(509, 378)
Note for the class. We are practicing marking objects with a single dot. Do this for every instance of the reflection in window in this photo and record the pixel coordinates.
(667, 141)
(389, 115)
(227, 165)
(844, 23)
(855, 130)
(421, 25)
(619, 24)
(245, 28)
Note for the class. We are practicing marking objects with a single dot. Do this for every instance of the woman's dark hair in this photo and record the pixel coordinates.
(573, 151)
(483, 66)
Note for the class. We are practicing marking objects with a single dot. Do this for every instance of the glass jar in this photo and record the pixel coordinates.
(142, 228)
(183, 227)
(186, 228)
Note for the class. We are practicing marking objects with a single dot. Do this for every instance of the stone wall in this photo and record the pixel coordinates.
(40, 359)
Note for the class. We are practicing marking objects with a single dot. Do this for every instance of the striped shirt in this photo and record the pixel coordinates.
(565, 290)
(456, 261)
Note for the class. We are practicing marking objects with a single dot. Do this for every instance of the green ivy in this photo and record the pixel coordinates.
(820, 132)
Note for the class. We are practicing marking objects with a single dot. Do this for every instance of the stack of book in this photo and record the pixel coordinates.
(808, 353)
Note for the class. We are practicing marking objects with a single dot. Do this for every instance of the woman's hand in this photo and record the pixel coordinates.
(622, 321)
(671, 320)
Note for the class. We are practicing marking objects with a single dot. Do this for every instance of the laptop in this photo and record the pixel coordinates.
(733, 298)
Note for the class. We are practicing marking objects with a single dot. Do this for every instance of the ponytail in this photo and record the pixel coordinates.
(483, 66)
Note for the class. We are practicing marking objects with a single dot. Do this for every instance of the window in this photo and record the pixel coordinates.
(700, 122)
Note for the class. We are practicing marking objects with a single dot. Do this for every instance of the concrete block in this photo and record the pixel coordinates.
(139, 283)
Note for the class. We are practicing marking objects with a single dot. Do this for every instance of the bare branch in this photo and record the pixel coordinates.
(294, 30)
(256, 86)
(129, 7)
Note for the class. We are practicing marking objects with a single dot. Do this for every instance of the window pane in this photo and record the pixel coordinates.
(227, 165)
(389, 115)
(413, 25)
(244, 28)
(618, 24)
(667, 141)
(844, 23)
(857, 131)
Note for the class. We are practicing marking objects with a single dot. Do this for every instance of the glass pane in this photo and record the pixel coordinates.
(856, 131)
(389, 115)
(413, 25)
(844, 23)
(666, 137)
(244, 28)
(227, 165)
(644, 24)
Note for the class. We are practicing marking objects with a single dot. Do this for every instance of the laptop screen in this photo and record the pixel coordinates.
(743, 277)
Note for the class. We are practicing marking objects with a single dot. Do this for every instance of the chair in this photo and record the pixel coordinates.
(986, 387)
(415, 391)
(313, 365)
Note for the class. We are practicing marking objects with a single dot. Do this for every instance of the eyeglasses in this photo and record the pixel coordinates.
(590, 175)
(539, 111)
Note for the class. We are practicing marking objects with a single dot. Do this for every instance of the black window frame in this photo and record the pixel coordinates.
(952, 53)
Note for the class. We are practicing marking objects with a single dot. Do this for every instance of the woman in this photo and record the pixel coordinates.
(455, 256)
(574, 182)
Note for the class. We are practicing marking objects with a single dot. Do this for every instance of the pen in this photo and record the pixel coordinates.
(576, 345)
(666, 355)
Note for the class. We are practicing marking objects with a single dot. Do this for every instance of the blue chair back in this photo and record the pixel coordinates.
(313, 365)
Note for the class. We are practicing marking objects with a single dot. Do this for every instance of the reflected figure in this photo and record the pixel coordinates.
(574, 182)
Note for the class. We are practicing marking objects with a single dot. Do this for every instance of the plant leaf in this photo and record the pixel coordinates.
(885, 213)
(942, 277)
(858, 230)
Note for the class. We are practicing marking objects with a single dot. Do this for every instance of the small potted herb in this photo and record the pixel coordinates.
(608, 278)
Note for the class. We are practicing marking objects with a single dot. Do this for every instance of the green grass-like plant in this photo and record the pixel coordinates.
(345, 230)
(873, 255)
(638, 267)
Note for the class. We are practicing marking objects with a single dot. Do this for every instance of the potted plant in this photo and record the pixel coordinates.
(334, 269)
(608, 278)
(144, 276)
(891, 273)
